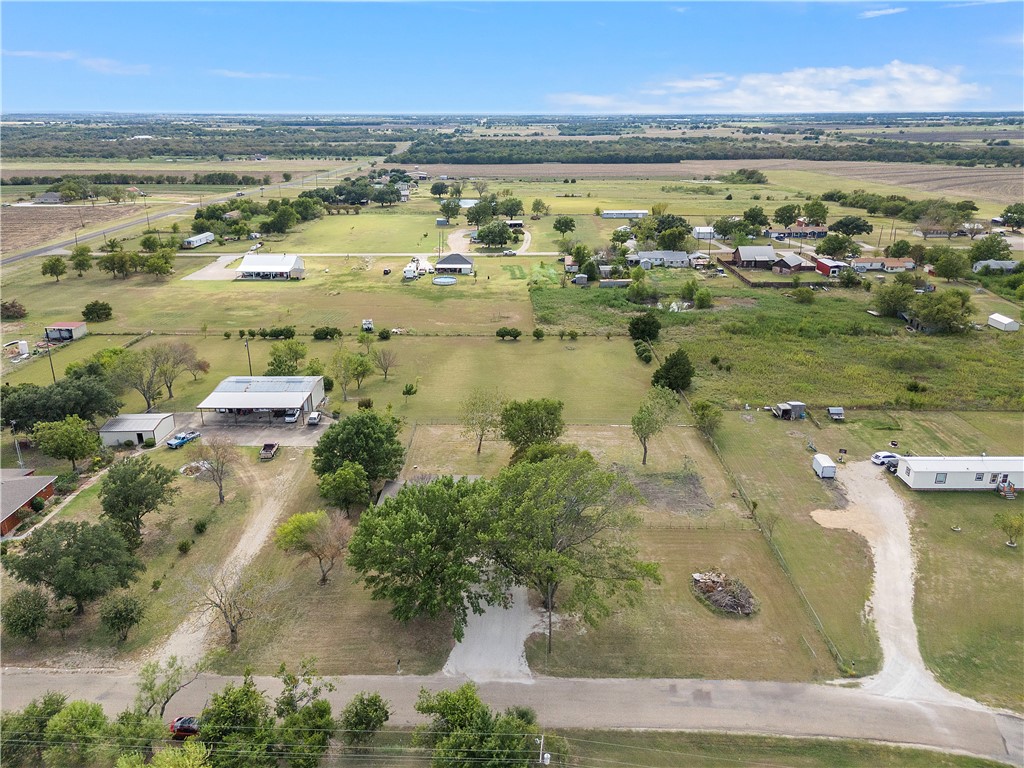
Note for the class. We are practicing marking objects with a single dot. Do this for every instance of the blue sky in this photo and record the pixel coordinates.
(512, 57)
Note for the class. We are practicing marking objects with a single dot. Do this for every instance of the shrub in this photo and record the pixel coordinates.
(702, 299)
(66, 483)
(156, 584)
(184, 546)
(97, 312)
(251, 333)
(38, 504)
(645, 327)
(502, 333)
(12, 309)
(149, 442)
(25, 613)
(714, 359)
(263, 333)
(538, 333)
(384, 334)
(227, 334)
(514, 333)
(326, 332)
(561, 333)
(241, 333)
(200, 526)
(128, 443)
(120, 612)
(916, 386)
(573, 335)
(328, 384)
(365, 403)
(803, 296)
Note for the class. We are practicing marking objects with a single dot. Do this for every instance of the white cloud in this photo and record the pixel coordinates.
(96, 64)
(238, 74)
(881, 12)
(112, 67)
(896, 86)
(52, 55)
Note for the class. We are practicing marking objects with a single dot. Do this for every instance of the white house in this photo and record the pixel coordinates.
(960, 473)
(1002, 322)
(661, 258)
(705, 233)
(270, 266)
(623, 214)
(137, 427)
(454, 264)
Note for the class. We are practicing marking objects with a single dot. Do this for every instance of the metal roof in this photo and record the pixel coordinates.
(455, 260)
(133, 422)
(270, 262)
(964, 463)
(757, 253)
(262, 392)
(72, 324)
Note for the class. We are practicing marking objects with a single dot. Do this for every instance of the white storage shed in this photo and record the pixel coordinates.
(66, 331)
(824, 467)
(137, 427)
(196, 240)
(1002, 322)
(960, 473)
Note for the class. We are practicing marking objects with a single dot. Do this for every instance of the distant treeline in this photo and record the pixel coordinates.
(167, 139)
(219, 178)
(657, 150)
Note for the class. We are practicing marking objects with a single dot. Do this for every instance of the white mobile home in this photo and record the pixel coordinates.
(960, 473)
(196, 240)
(623, 214)
(1003, 323)
(705, 233)
(137, 428)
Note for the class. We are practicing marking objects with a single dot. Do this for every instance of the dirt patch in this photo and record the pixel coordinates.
(24, 226)
(675, 493)
(747, 418)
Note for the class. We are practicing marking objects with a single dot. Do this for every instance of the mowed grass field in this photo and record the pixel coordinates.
(969, 634)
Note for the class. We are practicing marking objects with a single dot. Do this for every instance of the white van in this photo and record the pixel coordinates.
(313, 419)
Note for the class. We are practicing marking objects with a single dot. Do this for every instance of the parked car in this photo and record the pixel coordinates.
(291, 416)
(314, 418)
(183, 727)
(508, 253)
(183, 438)
(883, 457)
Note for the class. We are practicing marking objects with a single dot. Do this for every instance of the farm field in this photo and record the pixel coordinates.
(26, 226)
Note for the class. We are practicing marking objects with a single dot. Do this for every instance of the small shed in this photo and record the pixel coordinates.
(792, 410)
(137, 428)
(836, 413)
(66, 331)
(1003, 323)
(824, 467)
(441, 221)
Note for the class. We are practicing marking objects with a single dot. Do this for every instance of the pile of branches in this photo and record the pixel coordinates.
(723, 593)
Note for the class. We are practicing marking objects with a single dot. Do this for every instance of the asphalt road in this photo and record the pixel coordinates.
(779, 709)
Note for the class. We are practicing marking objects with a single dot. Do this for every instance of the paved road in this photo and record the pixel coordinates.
(780, 709)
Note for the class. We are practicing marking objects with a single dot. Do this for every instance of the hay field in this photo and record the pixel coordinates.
(25, 226)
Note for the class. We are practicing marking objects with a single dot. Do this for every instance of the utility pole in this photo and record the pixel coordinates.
(17, 448)
(248, 356)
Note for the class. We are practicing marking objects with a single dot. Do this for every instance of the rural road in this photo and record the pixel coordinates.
(780, 709)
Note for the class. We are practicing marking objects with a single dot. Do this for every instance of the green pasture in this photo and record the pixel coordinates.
(771, 461)
(670, 634)
(661, 749)
(969, 632)
(163, 530)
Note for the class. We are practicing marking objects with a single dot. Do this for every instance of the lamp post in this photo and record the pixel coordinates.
(17, 448)
(248, 356)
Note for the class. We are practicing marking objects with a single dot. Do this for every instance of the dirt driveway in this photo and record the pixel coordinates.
(878, 514)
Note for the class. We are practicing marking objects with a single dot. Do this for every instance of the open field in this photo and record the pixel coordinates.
(1001, 185)
(969, 634)
(670, 634)
(25, 226)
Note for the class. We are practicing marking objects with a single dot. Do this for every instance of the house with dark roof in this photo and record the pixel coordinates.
(48, 198)
(754, 257)
(18, 487)
(454, 264)
(995, 265)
